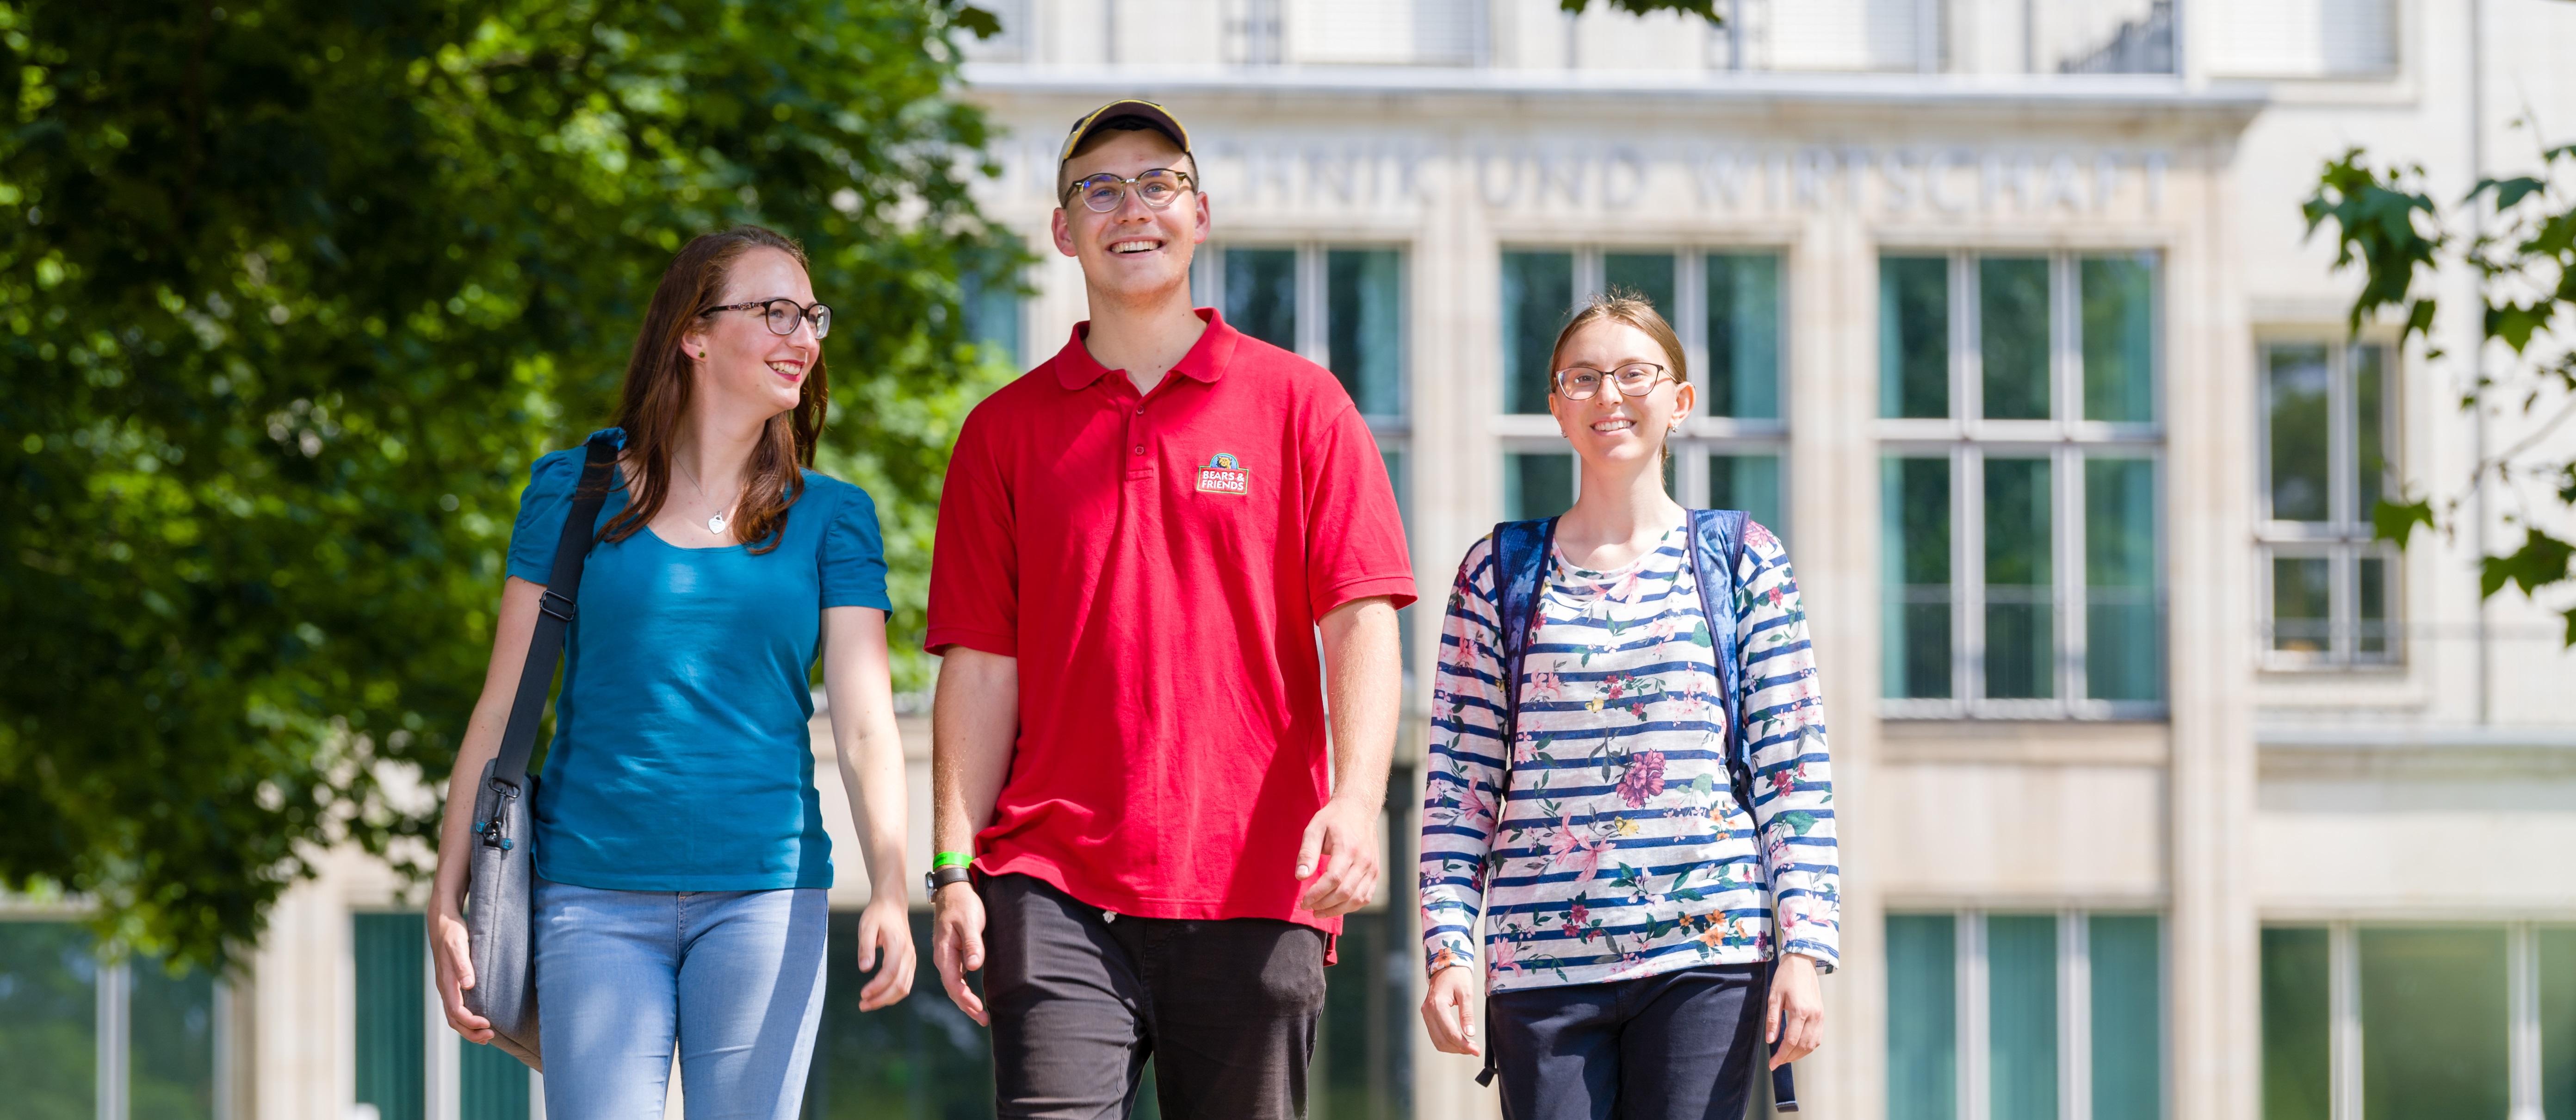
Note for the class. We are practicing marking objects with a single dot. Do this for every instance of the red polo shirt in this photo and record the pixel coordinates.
(1157, 564)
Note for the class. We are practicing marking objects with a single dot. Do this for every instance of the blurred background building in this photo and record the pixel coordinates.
(2165, 790)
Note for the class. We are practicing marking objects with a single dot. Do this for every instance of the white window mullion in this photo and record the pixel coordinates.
(2343, 1018)
(1967, 352)
(1689, 318)
(2524, 1062)
(1975, 1072)
(115, 1038)
(442, 1073)
(2074, 1017)
(1588, 273)
(2069, 586)
(1968, 574)
(1314, 335)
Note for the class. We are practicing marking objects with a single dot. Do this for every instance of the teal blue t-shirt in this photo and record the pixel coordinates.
(681, 760)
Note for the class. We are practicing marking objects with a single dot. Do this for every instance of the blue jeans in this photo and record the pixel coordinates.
(735, 977)
(1673, 1046)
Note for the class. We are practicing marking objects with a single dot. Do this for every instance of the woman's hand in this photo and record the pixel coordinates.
(885, 936)
(1449, 1012)
(1796, 1018)
(451, 955)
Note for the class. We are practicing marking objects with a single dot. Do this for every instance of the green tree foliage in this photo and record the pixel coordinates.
(2524, 256)
(1704, 9)
(291, 294)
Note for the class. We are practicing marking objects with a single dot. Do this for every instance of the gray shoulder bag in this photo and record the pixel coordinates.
(502, 873)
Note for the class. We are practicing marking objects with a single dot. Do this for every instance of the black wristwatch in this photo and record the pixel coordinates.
(934, 880)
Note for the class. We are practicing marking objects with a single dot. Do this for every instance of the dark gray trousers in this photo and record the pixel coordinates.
(1679, 1046)
(1227, 1009)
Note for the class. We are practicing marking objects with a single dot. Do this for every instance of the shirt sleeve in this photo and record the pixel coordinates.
(1784, 720)
(854, 566)
(975, 558)
(542, 509)
(1463, 791)
(1354, 534)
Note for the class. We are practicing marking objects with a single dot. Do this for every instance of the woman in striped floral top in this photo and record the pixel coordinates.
(1632, 905)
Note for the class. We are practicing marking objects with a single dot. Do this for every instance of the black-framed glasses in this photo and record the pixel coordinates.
(1580, 383)
(782, 314)
(1157, 188)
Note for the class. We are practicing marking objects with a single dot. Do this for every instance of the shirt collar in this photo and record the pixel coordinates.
(1076, 369)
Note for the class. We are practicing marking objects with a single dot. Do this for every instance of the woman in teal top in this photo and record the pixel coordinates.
(681, 855)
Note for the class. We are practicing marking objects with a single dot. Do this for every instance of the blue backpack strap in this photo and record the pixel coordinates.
(1520, 579)
(1717, 552)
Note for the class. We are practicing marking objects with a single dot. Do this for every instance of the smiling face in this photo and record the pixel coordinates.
(746, 368)
(1610, 427)
(1134, 251)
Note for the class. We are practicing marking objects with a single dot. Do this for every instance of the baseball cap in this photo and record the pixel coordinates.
(1160, 118)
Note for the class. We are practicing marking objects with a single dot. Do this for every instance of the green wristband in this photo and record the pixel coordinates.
(951, 859)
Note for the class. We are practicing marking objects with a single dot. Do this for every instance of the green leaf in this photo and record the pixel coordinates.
(1704, 9)
(1799, 821)
(2396, 522)
(984, 24)
(2508, 191)
(2541, 561)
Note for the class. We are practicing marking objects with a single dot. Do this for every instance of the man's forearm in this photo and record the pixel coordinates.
(1364, 675)
(974, 725)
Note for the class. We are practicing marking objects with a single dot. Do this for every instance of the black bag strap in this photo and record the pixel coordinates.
(554, 613)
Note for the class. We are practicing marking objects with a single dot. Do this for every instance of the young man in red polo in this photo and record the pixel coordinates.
(1138, 821)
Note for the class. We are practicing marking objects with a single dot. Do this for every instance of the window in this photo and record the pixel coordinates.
(2019, 489)
(2103, 36)
(1725, 305)
(1409, 33)
(1342, 307)
(65, 1015)
(2328, 410)
(402, 1037)
(2304, 38)
(2020, 1016)
(2401, 1022)
(989, 295)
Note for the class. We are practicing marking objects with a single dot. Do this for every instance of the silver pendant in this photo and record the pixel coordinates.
(716, 524)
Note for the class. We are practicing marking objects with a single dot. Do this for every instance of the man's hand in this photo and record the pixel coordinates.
(885, 933)
(957, 945)
(1340, 853)
(452, 957)
(1796, 1019)
(1450, 1011)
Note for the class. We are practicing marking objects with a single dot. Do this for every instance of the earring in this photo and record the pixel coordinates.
(702, 355)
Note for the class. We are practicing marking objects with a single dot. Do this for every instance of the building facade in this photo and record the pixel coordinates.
(2165, 790)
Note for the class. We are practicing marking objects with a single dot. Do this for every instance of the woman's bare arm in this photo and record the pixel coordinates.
(449, 949)
(858, 681)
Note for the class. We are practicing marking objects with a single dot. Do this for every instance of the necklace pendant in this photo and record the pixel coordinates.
(716, 524)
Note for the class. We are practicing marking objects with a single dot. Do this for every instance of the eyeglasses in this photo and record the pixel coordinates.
(1580, 383)
(1157, 188)
(782, 314)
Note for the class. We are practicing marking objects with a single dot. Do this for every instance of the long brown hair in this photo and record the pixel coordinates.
(659, 385)
(1624, 306)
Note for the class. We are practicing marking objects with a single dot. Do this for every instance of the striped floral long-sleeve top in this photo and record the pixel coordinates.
(1622, 851)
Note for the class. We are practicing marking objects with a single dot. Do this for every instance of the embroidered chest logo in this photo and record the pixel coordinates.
(1224, 474)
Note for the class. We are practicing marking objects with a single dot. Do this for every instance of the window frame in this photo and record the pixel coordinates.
(1966, 439)
(2524, 1062)
(1971, 989)
(2347, 536)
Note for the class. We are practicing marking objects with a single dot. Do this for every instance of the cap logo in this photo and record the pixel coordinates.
(1224, 474)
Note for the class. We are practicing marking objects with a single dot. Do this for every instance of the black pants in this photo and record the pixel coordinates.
(1079, 999)
(1679, 1046)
